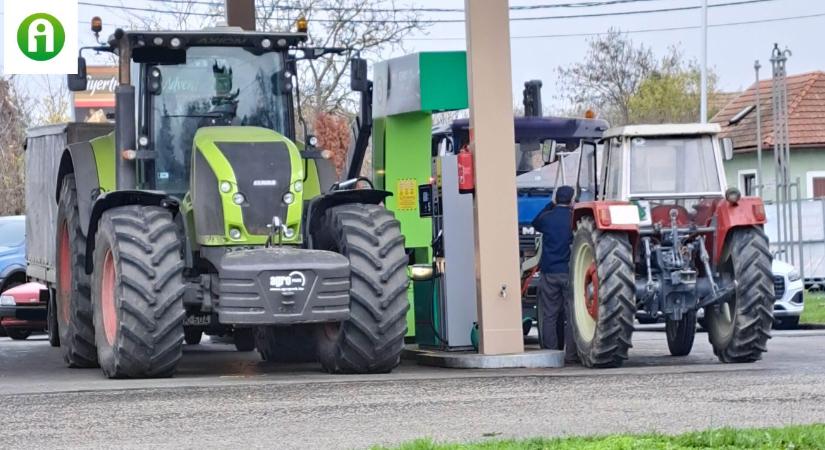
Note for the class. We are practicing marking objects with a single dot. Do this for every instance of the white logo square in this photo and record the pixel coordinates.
(40, 37)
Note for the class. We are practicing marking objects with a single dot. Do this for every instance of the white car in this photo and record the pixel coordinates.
(788, 288)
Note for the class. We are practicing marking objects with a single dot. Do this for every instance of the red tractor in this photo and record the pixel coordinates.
(658, 231)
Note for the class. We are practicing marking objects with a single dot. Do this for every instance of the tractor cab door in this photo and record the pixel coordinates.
(587, 183)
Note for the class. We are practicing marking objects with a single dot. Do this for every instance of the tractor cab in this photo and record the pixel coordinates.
(663, 169)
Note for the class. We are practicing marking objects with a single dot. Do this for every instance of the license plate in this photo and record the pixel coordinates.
(198, 319)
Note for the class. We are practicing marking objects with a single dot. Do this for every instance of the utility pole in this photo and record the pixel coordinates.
(241, 13)
(759, 185)
(703, 108)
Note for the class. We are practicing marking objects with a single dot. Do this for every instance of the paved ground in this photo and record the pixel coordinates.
(224, 398)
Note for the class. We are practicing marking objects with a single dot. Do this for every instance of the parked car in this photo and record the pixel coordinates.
(788, 291)
(23, 310)
(12, 251)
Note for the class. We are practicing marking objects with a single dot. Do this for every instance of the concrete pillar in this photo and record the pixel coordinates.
(491, 119)
(241, 13)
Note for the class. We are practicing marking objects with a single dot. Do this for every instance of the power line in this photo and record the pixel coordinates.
(429, 21)
(294, 7)
(647, 30)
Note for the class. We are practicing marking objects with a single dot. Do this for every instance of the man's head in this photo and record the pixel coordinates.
(564, 195)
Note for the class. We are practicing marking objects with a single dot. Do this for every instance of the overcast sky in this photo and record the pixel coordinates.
(732, 49)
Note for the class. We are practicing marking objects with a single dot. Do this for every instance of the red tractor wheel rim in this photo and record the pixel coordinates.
(64, 274)
(107, 298)
(591, 291)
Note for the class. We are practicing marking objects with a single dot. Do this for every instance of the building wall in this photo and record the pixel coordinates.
(805, 163)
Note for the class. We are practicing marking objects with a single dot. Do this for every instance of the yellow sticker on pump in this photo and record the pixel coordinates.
(407, 194)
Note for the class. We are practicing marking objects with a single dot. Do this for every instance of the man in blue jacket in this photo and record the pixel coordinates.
(554, 223)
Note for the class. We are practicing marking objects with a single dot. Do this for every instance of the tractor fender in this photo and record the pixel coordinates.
(318, 206)
(747, 212)
(79, 159)
(599, 211)
(109, 200)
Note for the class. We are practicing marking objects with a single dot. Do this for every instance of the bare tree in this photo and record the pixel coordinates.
(53, 106)
(610, 74)
(13, 122)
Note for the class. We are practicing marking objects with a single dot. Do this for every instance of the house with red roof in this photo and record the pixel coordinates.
(806, 110)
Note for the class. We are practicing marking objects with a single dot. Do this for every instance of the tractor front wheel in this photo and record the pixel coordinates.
(602, 303)
(372, 339)
(73, 303)
(739, 329)
(680, 334)
(137, 290)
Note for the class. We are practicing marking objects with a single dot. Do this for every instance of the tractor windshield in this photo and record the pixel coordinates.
(216, 86)
(673, 165)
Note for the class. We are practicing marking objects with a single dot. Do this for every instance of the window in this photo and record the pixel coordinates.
(747, 182)
(816, 183)
(587, 172)
(673, 166)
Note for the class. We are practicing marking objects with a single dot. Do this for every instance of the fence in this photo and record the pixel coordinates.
(796, 229)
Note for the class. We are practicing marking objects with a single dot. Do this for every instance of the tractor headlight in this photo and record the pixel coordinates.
(226, 187)
(238, 199)
(794, 276)
(298, 186)
(174, 42)
(234, 233)
(289, 233)
(289, 197)
(157, 40)
(7, 300)
(143, 141)
(313, 141)
(266, 43)
(733, 195)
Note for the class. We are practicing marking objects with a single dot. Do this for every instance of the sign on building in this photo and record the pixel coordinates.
(98, 100)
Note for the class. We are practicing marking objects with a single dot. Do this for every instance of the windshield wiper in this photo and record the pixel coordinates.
(211, 115)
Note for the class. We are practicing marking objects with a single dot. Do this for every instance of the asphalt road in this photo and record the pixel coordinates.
(223, 398)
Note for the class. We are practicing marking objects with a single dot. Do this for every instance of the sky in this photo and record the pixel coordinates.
(732, 50)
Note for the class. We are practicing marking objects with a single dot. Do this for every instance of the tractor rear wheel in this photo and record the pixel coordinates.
(293, 344)
(372, 339)
(137, 293)
(739, 329)
(75, 322)
(602, 303)
(680, 334)
(51, 320)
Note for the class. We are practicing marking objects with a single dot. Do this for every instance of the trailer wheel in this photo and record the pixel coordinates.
(137, 293)
(51, 320)
(739, 329)
(602, 303)
(73, 288)
(244, 339)
(192, 336)
(372, 339)
(680, 334)
(293, 344)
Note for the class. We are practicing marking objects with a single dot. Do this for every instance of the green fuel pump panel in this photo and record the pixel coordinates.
(407, 91)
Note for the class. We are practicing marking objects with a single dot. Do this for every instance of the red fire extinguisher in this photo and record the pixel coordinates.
(466, 177)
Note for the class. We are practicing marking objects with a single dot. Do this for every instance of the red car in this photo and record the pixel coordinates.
(23, 310)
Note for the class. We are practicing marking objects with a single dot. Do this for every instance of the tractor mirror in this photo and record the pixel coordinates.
(77, 83)
(154, 82)
(548, 151)
(727, 148)
(358, 75)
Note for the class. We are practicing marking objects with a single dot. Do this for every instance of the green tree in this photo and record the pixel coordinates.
(671, 94)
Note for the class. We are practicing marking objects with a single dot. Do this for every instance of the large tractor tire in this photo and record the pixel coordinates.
(739, 329)
(680, 334)
(372, 339)
(52, 329)
(75, 322)
(137, 293)
(293, 344)
(602, 303)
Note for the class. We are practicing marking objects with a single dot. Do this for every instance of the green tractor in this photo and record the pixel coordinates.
(199, 212)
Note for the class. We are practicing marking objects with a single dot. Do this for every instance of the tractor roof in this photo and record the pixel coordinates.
(667, 129)
(212, 37)
(558, 128)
